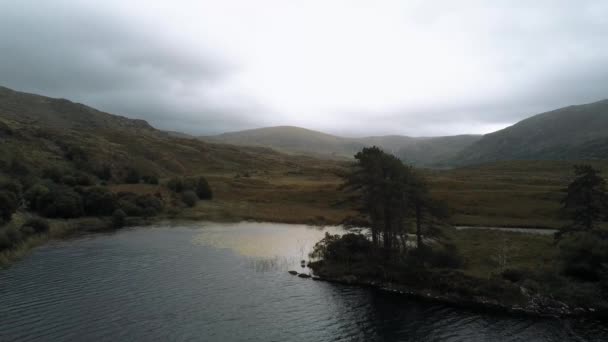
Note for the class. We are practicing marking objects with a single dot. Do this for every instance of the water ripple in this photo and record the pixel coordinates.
(207, 283)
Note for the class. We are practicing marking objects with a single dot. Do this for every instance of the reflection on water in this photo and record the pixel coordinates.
(212, 282)
(269, 246)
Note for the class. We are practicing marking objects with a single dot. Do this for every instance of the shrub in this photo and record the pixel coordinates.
(118, 218)
(348, 247)
(33, 195)
(150, 179)
(446, 257)
(203, 190)
(189, 198)
(142, 205)
(11, 186)
(129, 207)
(149, 201)
(83, 179)
(54, 173)
(8, 205)
(37, 225)
(583, 255)
(10, 237)
(132, 177)
(69, 180)
(61, 202)
(176, 184)
(513, 275)
(104, 173)
(98, 201)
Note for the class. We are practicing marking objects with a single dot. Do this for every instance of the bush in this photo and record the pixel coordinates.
(54, 173)
(349, 247)
(176, 184)
(129, 207)
(203, 190)
(10, 238)
(11, 186)
(583, 255)
(83, 179)
(61, 202)
(142, 205)
(98, 201)
(118, 218)
(132, 177)
(33, 195)
(150, 179)
(189, 198)
(513, 275)
(104, 173)
(69, 180)
(445, 257)
(8, 205)
(37, 225)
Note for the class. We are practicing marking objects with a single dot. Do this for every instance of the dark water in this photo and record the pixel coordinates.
(212, 282)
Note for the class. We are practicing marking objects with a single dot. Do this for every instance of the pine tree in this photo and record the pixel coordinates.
(586, 201)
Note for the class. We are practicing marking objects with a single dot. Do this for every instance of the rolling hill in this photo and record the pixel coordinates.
(39, 132)
(423, 151)
(570, 133)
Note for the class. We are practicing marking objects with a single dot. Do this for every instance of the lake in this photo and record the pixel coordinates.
(227, 282)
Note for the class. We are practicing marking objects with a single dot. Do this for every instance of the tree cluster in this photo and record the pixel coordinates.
(391, 198)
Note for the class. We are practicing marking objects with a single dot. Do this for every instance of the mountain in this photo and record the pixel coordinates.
(38, 132)
(292, 140)
(570, 133)
(424, 151)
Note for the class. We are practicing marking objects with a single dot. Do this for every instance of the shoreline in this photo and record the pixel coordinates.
(537, 306)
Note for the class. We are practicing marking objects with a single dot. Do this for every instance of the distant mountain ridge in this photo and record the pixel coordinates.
(569, 133)
(421, 151)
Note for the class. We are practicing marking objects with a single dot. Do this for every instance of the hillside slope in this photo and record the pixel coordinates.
(420, 151)
(292, 140)
(39, 132)
(570, 133)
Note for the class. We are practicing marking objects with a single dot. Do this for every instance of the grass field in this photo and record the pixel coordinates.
(506, 194)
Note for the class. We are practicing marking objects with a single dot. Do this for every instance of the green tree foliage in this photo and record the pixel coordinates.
(37, 225)
(586, 200)
(13, 187)
(34, 194)
(62, 202)
(10, 237)
(104, 172)
(199, 185)
(8, 205)
(54, 173)
(584, 255)
(203, 190)
(390, 195)
(98, 201)
(349, 247)
(150, 180)
(118, 218)
(189, 198)
(133, 176)
(139, 205)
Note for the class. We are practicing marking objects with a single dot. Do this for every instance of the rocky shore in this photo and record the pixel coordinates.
(536, 305)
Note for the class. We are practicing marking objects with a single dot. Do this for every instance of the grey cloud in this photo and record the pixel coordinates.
(549, 54)
(97, 58)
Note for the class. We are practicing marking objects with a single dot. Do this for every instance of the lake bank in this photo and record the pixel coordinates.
(208, 281)
(537, 306)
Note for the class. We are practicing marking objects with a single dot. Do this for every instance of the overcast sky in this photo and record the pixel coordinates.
(347, 67)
